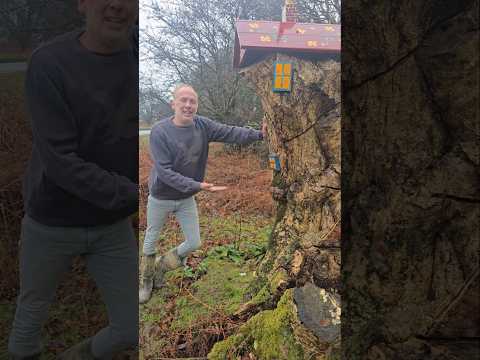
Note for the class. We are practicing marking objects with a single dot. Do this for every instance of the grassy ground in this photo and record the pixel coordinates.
(12, 121)
(188, 316)
(12, 83)
(193, 312)
(13, 57)
(14, 132)
(12, 117)
(76, 313)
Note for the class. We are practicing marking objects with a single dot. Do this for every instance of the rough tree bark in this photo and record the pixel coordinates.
(295, 310)
(410, 141)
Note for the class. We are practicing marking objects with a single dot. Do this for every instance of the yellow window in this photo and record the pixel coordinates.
(282, 77)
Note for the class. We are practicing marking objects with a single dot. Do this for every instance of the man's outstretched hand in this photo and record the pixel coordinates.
(216, 188)
(211, 187)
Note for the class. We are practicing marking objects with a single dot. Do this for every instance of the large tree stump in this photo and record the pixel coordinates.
(304, 249)
(410, 245)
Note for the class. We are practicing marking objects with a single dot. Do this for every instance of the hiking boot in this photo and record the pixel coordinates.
(170, 261)
(81, 351)
(148, 273)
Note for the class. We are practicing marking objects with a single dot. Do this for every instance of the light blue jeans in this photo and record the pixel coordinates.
(185, 211)
(46, 254)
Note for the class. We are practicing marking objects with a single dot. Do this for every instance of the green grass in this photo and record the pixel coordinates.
(64, 326)
(220, 280)
(7, 310)
(236, 228)
(241, 233)
(144, 140)
(220, 291)
(12, 121)
(9, 58)
(12, 58)
(12, 83)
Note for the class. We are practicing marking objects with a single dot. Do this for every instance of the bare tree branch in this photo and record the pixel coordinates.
(195, 40)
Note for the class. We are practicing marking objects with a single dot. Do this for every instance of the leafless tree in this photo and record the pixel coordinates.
(154, 103)
(28, 22)
(319, 11)
(192, 41)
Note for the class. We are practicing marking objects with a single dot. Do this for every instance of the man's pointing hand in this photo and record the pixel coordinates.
(211, 187)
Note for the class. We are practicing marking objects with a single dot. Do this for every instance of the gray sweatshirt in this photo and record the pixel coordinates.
(83, 109)
(180, 154)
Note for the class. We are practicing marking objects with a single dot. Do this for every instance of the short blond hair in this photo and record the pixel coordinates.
(181, 86)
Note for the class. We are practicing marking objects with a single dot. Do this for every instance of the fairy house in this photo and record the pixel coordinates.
(294, 68)
(256, 40)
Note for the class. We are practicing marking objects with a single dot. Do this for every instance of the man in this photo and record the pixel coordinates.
(179, 148)
(81, 185)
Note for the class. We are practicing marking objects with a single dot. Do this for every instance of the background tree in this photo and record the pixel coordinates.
(192, 41)
(319, 11)
(26, 23)
(154, 102)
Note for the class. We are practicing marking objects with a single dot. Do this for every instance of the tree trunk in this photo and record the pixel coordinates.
(410, 246)
(304, 250)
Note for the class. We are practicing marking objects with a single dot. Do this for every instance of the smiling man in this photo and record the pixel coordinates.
(179, 148)
(81, 185)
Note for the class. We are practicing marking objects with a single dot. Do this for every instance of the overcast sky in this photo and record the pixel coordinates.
(148, 67)
(144, 22)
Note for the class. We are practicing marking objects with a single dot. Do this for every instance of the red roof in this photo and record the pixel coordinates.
(255, 39)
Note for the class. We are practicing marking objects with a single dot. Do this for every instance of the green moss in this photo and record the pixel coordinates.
(262, 296)
(284, 260)
(265, 293)
(266, 266)
(268, 335)
(221, 289)
(281, 210)
(279, 181)
(278, 278)
(222, 285)
(144, 140)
